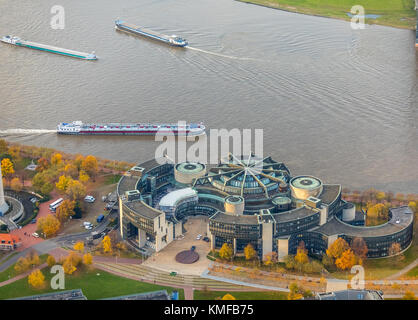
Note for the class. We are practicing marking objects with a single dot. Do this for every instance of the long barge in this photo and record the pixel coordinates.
(13, 40)
(80, 128)
(170, 40)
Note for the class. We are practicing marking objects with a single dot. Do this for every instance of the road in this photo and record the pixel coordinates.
(65, 240)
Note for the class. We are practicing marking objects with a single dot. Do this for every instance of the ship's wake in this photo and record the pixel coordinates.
(26, 131)
(221, 55)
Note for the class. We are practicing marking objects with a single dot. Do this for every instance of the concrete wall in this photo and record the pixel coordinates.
(282, 249)
(267, 237)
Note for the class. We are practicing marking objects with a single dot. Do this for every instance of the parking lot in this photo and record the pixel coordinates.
(165, 259)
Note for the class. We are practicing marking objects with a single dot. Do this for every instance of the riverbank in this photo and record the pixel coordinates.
(396, 13)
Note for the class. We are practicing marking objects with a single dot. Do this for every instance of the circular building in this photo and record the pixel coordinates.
(234, 205)
(186, 172)
(249, 200)
(303, 187)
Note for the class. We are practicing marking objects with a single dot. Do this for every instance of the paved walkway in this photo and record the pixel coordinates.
(21, 276)
(403, 271)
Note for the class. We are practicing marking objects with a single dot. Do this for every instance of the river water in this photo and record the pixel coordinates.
(337, 103)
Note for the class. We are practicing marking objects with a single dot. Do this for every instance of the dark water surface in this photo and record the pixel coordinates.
(336, 103)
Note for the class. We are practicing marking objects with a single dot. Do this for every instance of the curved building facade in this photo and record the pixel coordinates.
(248, 200)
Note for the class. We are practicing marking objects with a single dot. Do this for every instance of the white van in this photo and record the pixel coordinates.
(89, 199)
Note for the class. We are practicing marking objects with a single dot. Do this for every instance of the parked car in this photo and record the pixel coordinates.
(206, 239)
(89, 199)
(199, 236)
(193, 248)
(33, 200)
(35, 235)
(33, 221)
(100, 218)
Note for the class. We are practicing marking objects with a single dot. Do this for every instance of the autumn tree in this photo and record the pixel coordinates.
(36, 279)
(14, 151)
(79, 246)
(298, 292)
(33, 259)
(270, 258)
(70, 170)
(301, 254)
(49, 225)
(76, 190)
(65, 210)
(346, 261)
(3, 146)
(226, 252)
(409, 295)
(50, 261)
(359, 247)
(63, 183)
(16, 184)
(7, 168)
(87, 259)
(42, 184)
(42, 164)
(336, 249)
(83, 177)
(249, 252)
(56, 159)
(90, 165)
(106, 244)
(78, 161)
(71, 262)
(22, 265)
(228, 297)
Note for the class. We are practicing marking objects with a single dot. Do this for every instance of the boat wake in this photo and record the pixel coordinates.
(220, 54)
(26, 131)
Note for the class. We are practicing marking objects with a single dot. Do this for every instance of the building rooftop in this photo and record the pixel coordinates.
(294, 214)
(127, 183)
(154, 295)
(142, 209)
(226, 218)
(172, 198)
(401, 218)
(329, 193)
(350, 294)
(76, 294)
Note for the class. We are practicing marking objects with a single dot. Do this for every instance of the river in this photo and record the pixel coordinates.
(333, 102)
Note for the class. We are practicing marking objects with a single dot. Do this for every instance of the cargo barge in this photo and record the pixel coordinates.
(43, 47)
(80, 128)
(170, 40)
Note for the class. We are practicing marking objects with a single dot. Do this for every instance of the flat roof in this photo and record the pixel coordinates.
(171, 199)
(402, 217)
(294, 214)
(329, 193)
(242, 219)
(142, 209)
(127, 183)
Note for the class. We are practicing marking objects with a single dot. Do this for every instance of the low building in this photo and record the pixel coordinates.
(350, 294)
(248, 200)
(76, 294)
(9, 242)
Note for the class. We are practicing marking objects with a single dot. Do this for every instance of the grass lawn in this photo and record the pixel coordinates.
(384, 267)
(241, 295)
(11, 273)
(112, 179)
(413, 272)
(106, 285)
(395, 13)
